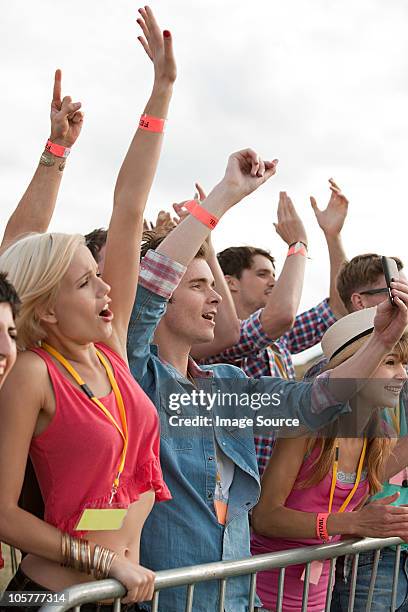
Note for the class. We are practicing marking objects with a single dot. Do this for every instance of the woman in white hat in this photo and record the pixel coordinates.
(311, 482)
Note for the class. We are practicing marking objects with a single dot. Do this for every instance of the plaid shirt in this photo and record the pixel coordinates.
(258, 355)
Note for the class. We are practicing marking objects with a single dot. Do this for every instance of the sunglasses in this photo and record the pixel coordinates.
(374, 291)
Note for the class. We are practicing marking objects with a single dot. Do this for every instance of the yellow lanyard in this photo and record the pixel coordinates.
(358, 477)
(119, 401)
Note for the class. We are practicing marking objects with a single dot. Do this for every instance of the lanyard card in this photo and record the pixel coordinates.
(316, 568)
(221, 511)
(102, 519)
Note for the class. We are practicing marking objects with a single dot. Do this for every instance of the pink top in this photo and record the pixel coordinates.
(312, 499)
(76, 458)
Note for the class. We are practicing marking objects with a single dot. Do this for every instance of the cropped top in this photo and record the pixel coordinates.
(76, 458)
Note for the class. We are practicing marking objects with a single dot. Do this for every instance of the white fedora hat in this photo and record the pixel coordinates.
(346, 335)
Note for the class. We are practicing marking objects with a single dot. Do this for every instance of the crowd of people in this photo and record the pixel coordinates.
(102, 476)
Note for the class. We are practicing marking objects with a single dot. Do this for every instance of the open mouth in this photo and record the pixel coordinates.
(106, 314)
(209, 316)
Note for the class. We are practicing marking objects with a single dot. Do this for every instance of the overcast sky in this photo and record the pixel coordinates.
(321, 85)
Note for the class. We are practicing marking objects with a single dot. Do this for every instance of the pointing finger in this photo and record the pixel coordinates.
(56, 93)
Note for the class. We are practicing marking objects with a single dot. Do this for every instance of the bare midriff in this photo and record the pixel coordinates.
(124, 541)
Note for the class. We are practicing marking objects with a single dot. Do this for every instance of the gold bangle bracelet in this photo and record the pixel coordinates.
(104, 556)
(64, 548)
(112, 557)
(95, 561)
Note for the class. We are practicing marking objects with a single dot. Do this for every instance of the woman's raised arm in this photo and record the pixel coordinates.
(135, 179)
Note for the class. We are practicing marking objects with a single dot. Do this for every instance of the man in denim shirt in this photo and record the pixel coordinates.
(211, 471)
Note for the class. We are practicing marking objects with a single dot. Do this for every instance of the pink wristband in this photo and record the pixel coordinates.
(57, 150)
(152, 124)
(321, 527)
(298, 248)
(201, 214)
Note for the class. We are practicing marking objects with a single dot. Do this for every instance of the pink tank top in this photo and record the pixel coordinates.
(77, 456)
(312, 499)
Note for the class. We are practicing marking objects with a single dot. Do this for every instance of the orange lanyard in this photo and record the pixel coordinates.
(123, 430)
(358, 477)
(279, 364)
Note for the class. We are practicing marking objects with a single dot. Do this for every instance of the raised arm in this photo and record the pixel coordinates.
(283, 302)
(135, 178)
(227, 324)
(245, 172)
(331, 221)
(36, 207)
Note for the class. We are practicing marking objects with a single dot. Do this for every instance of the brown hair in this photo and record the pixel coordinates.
(152, 238)
(235, 260)
(95, 241)
(8, 295)
(360, 273)
(378, 449)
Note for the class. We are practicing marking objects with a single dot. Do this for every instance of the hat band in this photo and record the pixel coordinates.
(367, 332)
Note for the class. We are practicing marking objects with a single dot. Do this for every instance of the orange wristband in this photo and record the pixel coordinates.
(152, 124)
(201, 214)
(321, 527)
(57, 150)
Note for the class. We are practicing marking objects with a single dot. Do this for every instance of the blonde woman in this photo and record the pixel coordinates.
(71, 402)
(311, 483)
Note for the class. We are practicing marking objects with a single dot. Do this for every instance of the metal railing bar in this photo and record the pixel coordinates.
(223, 586)
(281, 582)
(190, 595)
(306, 588)
(13, 559)
(372, 580)
(155, 602)
(353, 583)
(109, 589)
(116, 604)
(329, 591)
(252, 593)
(395, 579)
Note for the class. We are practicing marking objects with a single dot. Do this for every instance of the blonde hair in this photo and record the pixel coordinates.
(378, 449)
(35, 265)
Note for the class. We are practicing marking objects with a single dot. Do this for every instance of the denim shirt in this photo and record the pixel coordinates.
(184, 531)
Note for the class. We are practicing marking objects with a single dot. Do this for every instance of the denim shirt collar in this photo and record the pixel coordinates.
(193, 368)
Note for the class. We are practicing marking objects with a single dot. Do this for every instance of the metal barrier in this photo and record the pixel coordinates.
(89, 592)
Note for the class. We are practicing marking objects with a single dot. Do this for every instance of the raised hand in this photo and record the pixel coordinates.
(245, 172)
(331, 219)
(66, 118)
(289, 226)
(390, 322)
(182, 213)
(158, 46)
